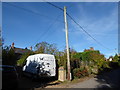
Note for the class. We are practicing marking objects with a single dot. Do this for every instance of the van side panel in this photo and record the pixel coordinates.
(42, 64)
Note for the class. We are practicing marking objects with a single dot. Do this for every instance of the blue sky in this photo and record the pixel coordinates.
(0, 14)
(46, 23)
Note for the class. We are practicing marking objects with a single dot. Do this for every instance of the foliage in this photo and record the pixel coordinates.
(72, 53)
(91, 56)
(77, 56)
(115, 63)
(80, 72)
(115, 58)
(75, 63)
(22, 60)
(62, 59)
(93, 61)
(74, 58)
(45, 47)
(8, 56)
(119, 60)
(42, 47)
(82, 64)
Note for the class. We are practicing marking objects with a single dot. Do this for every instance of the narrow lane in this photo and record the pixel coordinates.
(106, 80)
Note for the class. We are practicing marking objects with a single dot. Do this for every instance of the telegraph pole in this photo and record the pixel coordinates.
(67, 46)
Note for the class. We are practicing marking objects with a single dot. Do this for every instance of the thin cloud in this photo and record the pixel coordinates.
(101, 26)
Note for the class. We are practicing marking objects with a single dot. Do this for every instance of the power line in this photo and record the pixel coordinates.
(55, 6)
(51, 32)
(86, 31)
(59, 20)
(79, 26)
(33, 12)
(48, 29)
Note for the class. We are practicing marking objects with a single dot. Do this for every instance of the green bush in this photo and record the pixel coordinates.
(115, 63)
(80, 72)
(22, 60)
(8, 57)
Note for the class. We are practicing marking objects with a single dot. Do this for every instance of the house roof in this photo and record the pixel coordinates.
(21, 50)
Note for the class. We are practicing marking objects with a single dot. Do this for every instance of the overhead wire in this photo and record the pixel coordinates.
(61, 21)
(55, 6)
(79, 26)
(48, 29)
(33, 12)
(86, 31)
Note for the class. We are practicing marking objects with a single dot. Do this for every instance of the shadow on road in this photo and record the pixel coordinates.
(28, 83)
(109, 79)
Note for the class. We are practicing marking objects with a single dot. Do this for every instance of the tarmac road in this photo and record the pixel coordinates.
(105, 80)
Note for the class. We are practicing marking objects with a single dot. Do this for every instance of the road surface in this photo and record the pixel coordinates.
(106, 80)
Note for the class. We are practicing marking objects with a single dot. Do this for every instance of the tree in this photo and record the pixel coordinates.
(116, 58)
(115, 63)
(62, 57)
(75, 61)
(45, 47)
(72, 53)
(8, 56)
(22, 60)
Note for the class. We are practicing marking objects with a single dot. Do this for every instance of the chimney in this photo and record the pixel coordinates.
(13, 45)
(31, 48)
(91, 48)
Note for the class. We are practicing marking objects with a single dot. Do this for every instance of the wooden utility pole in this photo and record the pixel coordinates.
(67, 45)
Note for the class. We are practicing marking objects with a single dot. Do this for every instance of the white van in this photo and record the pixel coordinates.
(43, 65)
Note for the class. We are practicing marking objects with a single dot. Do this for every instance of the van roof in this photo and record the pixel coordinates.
(42, 55)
